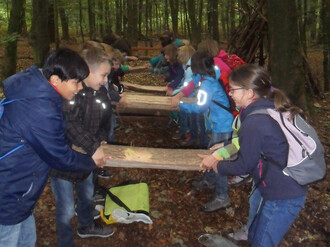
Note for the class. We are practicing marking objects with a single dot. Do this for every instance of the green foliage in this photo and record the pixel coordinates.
(9, 38)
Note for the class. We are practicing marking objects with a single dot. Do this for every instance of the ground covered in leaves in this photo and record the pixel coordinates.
(174, 206)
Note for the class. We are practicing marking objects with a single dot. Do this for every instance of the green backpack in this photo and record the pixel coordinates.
(127, 203)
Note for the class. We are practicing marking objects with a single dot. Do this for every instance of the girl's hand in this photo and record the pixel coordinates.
(217, 146)
(208, 162)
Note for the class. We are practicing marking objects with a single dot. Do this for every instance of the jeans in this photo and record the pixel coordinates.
(273, 221)
(197, 127)
(111, 135)
(221, 182)
(22, 234)
(65, 207)
(183, 122)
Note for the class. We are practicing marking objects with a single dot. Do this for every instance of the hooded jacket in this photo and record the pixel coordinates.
(260, 133)
(37, 121)
(210, 90)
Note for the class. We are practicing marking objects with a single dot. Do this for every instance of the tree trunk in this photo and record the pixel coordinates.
(107, 16)
(214, 19)
(166, 25)
(140, 18)
(132, 18)
(57, 37)
(14, 29)
(195, 27)
(325, 21)
(174, 15)
(91, 20)
(118, 16)
(39, 35)
(101, 17)
(81, 21)
(285, 59)
(64, 22)
(51, 21)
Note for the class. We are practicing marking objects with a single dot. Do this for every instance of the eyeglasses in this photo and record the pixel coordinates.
(234, 89)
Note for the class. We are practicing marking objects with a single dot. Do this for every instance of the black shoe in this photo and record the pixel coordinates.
(172, 123)
(96, 213)
(103, 173)
(216, 204)
(95, 230)
(99, 197)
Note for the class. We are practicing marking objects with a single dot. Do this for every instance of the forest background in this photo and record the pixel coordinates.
(290, 38)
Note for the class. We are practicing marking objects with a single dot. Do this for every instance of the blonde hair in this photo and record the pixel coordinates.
(117, 56)
(94, 56)
(209, 45)
(184, 53)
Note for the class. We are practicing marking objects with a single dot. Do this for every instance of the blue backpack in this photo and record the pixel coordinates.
(306, 158)
(2, 104)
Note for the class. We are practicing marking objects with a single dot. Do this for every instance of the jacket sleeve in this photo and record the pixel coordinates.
(45, 133)
(76, 133)
(178, 77)
(204, 96)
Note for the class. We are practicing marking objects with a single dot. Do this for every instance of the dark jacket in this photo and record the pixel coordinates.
(260, 133)
(176, 73)
(38, 123)
(113, 78)
(87, 120)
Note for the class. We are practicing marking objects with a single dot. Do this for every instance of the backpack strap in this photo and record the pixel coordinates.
(223, 106)
(115, 198)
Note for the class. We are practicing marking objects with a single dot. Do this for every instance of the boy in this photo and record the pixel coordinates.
(87, 118)
(36, 120)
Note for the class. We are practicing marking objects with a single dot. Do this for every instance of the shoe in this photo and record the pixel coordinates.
(96, 213)
(202, 184)
(240, 235)
(177, 135)
(95, 230)
(216, 204)
(98, 197)
(103, 173)
(172, 123)
(238, 180)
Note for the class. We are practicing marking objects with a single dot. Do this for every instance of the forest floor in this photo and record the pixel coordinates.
(174, 206)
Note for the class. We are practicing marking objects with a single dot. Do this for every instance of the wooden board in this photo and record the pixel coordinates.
(149, 102)
(153, 158)
(137, 69)
(142, 88)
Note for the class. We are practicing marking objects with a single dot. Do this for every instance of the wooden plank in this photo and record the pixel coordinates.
(143, 88)
(137, 69)
(149, 102)
(153, 158)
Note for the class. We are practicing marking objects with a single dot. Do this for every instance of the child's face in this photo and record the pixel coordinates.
(115, 65)
(241, 96)
(67, 89)
(167, 58)
(98, 76)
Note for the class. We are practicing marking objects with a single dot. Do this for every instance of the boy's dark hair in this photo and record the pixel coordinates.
(172, 52)
(66, 64)
(202, 63)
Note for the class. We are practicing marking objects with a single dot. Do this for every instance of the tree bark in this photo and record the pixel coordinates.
(214, 19)
(81, 21)
(325, 21)
(14, 29)
(91, 20)
(118, 16)
(195, 26)
(132, 18)
(39, 35)
(285, 58)
(64, 22)
(174, 14)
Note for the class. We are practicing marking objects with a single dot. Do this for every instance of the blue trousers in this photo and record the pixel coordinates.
(269, 225)
(221, 182)
(65, 207)
(21, 234)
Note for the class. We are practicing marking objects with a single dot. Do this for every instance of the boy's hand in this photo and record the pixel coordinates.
(217, 146)
(208, 162)
(169, 91)
(99, 157)
(115, 87)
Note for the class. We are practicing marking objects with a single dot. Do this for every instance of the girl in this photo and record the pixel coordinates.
(277, 198)
(209, 94)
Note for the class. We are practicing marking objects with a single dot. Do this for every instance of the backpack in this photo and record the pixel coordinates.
(2, 104)
(233, 61)
(306, 158)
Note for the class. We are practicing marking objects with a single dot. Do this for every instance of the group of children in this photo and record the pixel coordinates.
(62, 116)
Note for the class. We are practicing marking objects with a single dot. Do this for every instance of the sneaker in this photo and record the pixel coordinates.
(103, 173)
(240, 235)
(238, 180)
(95, 230)
(172, 123)
(216, 204)
(96, 213)
(202, 184)
(177, 135)
(99, 197)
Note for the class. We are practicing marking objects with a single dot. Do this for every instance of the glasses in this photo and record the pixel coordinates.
(234, 89)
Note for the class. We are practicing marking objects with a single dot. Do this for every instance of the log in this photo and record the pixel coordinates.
(153, 158)
(149, 102)
(143, 88)
(145, 48)
(137, 69)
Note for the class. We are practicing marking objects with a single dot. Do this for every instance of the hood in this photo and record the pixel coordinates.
(217, 74)
(29, 83)
(261, 103)
(222, 54)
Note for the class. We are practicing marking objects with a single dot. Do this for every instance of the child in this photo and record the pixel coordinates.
(117, 74)
(158, 64)
(87, 118)
(36, 120)
(175, 75)
(277, 198)
(209, 93)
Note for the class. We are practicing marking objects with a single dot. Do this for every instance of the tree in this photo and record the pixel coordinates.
(174, 15)
(39, 35)
(214, 18)
(64, 21)
(14, 29)
(132, 19)
(195, 25)
(325, 21)
(285, 58)
(91, 19)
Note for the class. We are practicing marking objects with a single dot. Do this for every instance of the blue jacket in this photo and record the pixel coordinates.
(209, 90)
(260, 133)
(38, 123)
(187, 77)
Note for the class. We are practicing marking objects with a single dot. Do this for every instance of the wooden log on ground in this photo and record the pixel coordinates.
(145, 48)
(149, 102)
(143, 88)
(137, 69)
(153, 158)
